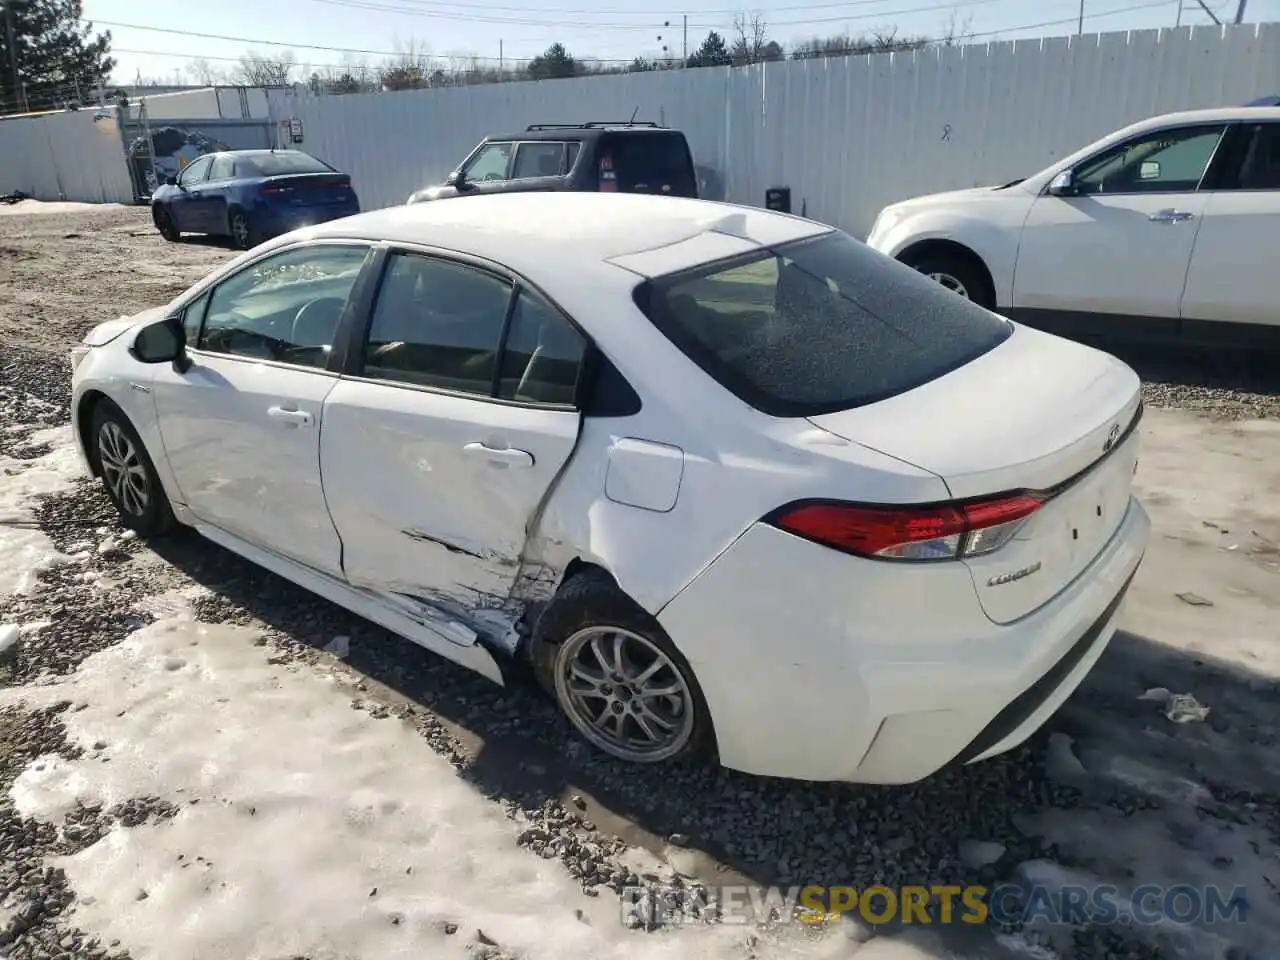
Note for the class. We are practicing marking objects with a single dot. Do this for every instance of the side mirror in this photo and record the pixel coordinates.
(164, 341)
(454, 179)
(1063, 185)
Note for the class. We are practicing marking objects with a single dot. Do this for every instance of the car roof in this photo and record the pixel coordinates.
(533, 232)
(253, 154)
(579, 132)
(1227, 114)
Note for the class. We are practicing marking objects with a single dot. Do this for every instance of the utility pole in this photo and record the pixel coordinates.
(1080, 22)
(501, 59)
(11, 44)
(685, 61)
(1240, 11)
(1212, 16)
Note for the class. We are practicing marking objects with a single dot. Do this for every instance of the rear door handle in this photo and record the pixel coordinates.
(299, 418)
(508, 456)
(1170, 216)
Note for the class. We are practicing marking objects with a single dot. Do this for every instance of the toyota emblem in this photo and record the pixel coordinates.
(1112, 437)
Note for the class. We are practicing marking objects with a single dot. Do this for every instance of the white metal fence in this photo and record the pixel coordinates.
(847, 135)
(65, 156)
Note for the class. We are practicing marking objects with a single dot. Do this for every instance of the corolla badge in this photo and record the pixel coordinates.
(1013, 575)
(1112, 437)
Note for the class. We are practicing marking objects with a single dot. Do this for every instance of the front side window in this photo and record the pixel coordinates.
(286, 307)
(438, 324)
(196, 172)
(538, 158)
(1168, 161)
(490, 163)
(818, 325)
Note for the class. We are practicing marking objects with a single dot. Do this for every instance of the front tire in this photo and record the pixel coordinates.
(164, 223)
(616, 674)
(243, 236)
(958, 274)
(128, 475)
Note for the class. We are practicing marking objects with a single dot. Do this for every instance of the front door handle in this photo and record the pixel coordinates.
(1170, 216)
(299, 418)
(508, 456)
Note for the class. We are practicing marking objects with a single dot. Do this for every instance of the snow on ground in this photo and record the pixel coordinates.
(35, 207)
(25, 551)
(305, 827)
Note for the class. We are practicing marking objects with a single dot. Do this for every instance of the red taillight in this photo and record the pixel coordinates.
(608, 177)
(941, 532)
(274, 191)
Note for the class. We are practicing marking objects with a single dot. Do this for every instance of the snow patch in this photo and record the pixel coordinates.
(27, 551)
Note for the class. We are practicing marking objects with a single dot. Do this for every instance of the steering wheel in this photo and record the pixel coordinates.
(316, 322)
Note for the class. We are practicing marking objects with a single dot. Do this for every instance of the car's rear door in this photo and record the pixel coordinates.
(210, 198)
(537, 165)
(1121, 246)
(241, 426)
(453, 420)
(1229, 281)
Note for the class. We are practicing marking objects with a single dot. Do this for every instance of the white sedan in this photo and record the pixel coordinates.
(725, 478)
(1162, 230)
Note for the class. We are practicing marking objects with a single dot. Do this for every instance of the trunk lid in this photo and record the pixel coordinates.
(306, 189)
(1037, 413)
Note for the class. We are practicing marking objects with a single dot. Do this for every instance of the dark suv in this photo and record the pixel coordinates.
(580, 157)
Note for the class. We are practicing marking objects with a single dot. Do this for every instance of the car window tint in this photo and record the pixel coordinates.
(1261, 167)
(193, 317)
(437, 324)
(538, 159)
(819, 325)
(286, 307)
(286, 162)
(651, 163)
(196, 171)
(542, 355)
(574, 148)
(222, 168)
(490, 163)
(1168, 161)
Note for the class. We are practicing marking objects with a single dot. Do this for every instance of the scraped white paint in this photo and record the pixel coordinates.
(294, 809)
(26, 552)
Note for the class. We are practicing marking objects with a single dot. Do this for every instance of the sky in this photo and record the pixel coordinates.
(333, 33)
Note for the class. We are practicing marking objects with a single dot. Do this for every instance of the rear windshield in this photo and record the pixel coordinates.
(818, 326)
(283, 164)
(646, 162)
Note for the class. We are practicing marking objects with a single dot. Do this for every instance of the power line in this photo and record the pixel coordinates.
(432, 8)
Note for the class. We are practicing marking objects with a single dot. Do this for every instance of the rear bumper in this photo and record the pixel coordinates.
(276, 220)
(820, 666)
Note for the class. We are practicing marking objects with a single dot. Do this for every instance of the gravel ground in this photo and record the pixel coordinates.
(589, 812)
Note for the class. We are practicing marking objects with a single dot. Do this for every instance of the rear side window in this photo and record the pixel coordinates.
(222, 168)
(818, 326)
(538, 158)
(651, 163)
(1261, 167)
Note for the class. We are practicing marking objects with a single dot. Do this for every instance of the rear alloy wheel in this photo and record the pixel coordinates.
(616, 674)
(241, 233)
(956, 274)
(128, 475)
(164, 223)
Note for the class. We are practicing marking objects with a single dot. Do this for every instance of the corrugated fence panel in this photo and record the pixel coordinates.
(65, 156)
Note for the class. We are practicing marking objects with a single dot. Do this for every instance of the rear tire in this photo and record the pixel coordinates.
(128, 474)
(616, 675)
(958, 274)
(164, 223)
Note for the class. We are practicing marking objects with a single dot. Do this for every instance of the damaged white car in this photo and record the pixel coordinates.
(727, 479)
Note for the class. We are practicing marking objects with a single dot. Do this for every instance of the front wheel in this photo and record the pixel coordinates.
(243, 235)
(616, 674)
(958, 274)
(128, 475)
(164, 223)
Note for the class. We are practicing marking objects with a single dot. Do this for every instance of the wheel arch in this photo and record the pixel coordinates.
(85, 407)
(934, 246)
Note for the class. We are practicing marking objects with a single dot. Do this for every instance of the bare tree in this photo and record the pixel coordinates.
(205, 73)
(255, 70)
(409, 69)
(955, 29)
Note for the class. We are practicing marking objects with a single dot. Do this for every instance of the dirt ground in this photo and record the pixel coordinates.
(1125, 787)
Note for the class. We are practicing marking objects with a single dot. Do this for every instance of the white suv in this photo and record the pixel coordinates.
(1168, 226)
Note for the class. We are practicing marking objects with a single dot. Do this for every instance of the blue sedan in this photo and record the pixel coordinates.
(251, 196)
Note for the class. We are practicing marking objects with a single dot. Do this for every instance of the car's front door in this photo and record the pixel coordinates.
(485, 171)
(241, 427)
(1121, 244)
(212, 195)
(185, 205)
(447, 433)
(1231, 279)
